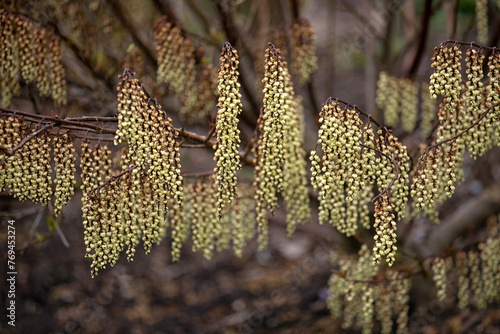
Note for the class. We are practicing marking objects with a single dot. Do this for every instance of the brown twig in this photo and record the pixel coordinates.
(111, 179)
(422, 39)
(370, 117)
(387, 190)
(62, 121)
(428, 148)
(210, 133)
(27, 139)
(76, 125)
(477, 45)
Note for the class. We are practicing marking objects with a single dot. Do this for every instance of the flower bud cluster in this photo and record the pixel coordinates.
(270, 147)
(141, 194)
(490, 260)
(88, 176)
(409, 104)
(439, 277)
(206, 88)
(204, 215)
(130, 207)
(478, 271)
(304, 60)
(385, 228)
(493, 89)
(152, 211)
(194, 84)
(103, 229)
(450, 126)
(10, 66)
(169, 46)
(103, 163)
(25, 42)
(64, 160)
(342, 165)
(480, 139)
(388, 98)
(474, 62)
(295, 190)
(243, 219)
(10, 137)
(401, 303)
(107, 228)
(228, 139)
(188, 96)
(425, 183)
(168, 178)
(57, 74)
(364, 294)
(397, 96)
(27, 172)
(337, 286)
(368, 311)
(428, 105)
(463, 279)
(435, 178)
(475, 278)
(210, 232)
(42, 71)
(31, 54)
(347, 289)
(446, 79)
(482, 20)
(130, 108)
(393, 168)
(384, 304)
(180, 221)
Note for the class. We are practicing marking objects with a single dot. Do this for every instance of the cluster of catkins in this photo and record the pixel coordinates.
(300, 37)
(280, 158)
(352, 161)
(120, 206)
(468, 120)
(32, 53)
(181, 66)
(228, 139)
(304, 60)
(477, 271)
(362, 294)
(25, 163)
(211, 231)
(398, 99)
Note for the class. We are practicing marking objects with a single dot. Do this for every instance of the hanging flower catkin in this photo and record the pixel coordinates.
(304, 60)
(228, 140)
(280, 156)
(446, 79)
(270, 150)
(169, 45)
(482, 20)
(57, 75)
(64, 159)
(295, 191)
(343, 171)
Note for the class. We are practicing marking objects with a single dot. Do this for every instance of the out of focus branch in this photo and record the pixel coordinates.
(468, 215)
